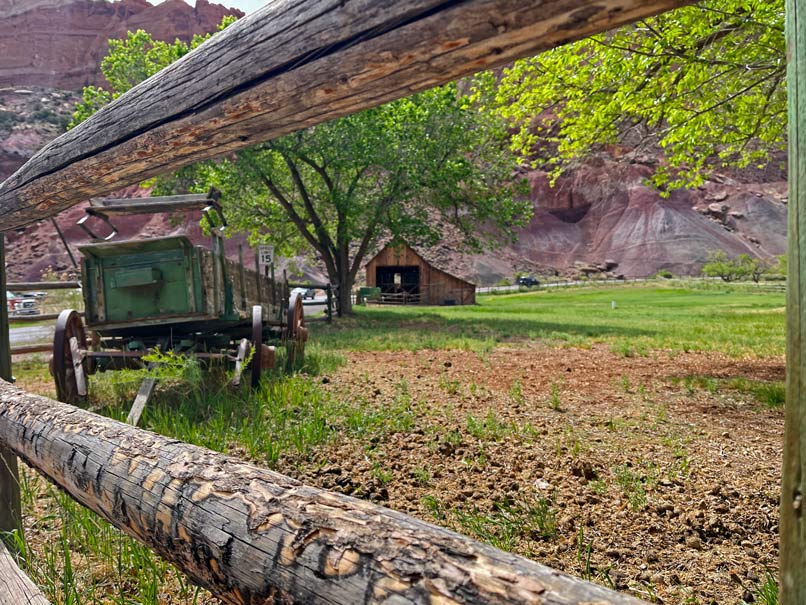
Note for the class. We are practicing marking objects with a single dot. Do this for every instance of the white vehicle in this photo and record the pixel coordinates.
(20, 305)
(306, 293)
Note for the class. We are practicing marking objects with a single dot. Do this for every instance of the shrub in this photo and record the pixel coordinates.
(8, 119)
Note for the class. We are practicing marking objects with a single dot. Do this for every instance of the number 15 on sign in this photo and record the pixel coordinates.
(265, 255)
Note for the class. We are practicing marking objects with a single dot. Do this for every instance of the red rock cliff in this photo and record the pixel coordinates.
(60, 43)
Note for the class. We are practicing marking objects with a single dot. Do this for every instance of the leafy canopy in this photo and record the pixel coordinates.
(705, 83)
(414, 169)
(408, 170)
(742, 267)
(130, 61)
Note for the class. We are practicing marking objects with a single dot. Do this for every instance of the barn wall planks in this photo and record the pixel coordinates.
(436, 285)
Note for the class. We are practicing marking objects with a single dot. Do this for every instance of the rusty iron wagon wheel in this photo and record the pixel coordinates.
(68, 365)
(296, 334)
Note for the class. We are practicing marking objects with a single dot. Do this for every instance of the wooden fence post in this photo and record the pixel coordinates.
(793, 524)
(10, 515)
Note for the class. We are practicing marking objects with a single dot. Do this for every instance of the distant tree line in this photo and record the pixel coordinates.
(742, 267)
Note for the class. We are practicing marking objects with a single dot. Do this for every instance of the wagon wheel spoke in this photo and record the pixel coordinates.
(240, 357)
(68, 364)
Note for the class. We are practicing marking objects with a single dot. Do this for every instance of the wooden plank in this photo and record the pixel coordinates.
(150, 205)
(793, 521)
(30, 286)
(144, 394)
(38, 318)
(27, 349)
(252, 536)
(10, 504)
(198, 200)
(15, 587)
(289, 66)
(5, 343)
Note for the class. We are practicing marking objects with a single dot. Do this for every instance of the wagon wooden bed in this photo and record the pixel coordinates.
(167, 294)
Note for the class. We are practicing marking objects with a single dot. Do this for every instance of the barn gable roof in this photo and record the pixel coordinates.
(419, 254)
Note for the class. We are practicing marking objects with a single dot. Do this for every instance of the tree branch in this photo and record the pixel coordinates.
(316, 221)
(298, 221)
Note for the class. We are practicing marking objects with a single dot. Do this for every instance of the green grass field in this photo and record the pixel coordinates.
(79, 559)
(736, 321)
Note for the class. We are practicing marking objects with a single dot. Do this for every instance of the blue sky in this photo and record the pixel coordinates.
(246, 6)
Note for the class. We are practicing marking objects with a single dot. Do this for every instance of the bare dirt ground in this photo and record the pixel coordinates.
(618, 469)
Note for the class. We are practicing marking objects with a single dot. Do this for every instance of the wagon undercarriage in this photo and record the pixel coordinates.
(167, 296)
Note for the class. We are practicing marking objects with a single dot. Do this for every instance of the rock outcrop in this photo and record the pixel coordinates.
(600, 218)
(604, 215)
(29, 118)
(60, 43)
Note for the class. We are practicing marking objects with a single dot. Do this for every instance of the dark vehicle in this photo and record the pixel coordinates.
(527, 281)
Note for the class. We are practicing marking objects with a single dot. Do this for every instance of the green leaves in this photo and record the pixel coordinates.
(130, 61)
(413, 169)
(704, 83)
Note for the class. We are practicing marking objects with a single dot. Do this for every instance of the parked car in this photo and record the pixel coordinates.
(20, 305)
(527, 281)
(306, 293)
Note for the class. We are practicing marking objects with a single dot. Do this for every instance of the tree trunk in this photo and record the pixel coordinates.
(254, 537)
(345, 297)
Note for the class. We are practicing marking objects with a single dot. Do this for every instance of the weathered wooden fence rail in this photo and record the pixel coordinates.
(15, 587)
(288, 66)
(252, 536)
(42, 285)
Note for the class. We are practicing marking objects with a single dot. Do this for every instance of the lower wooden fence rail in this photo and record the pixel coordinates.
(252, 536)
(15, 587)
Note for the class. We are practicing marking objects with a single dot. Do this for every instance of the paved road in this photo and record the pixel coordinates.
(30, 335)
(312, 310)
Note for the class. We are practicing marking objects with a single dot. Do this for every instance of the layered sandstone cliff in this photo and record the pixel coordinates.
(60, 43)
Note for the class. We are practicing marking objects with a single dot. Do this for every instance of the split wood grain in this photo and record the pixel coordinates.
(289, 66)
(15, 587)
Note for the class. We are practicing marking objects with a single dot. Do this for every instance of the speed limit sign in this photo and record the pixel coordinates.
(265, 255)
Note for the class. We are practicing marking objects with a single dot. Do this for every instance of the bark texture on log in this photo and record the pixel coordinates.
(252, 536)
(15, 587)
(10, 504)
(288, 66)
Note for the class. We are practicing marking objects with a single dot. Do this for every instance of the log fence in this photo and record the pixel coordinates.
(252, 536)
(15, 587)
(249, 535)
(42, 285)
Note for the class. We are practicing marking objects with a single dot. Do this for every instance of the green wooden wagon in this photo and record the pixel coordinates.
(167, 294)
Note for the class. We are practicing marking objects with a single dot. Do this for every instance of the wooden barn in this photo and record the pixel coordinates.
(405, 277)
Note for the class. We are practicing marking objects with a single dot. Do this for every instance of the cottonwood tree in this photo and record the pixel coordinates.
(733, 269)
(705, 83)
(407, 170)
